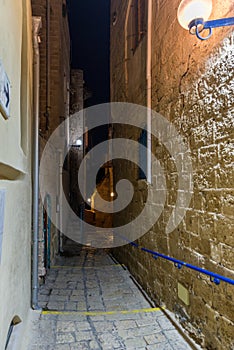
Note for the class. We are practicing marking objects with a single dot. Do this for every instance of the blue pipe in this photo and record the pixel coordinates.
(222, 22)
(216, 278)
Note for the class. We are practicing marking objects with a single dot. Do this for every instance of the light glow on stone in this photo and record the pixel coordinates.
(192, 9)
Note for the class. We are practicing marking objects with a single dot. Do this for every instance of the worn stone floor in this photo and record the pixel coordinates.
(90, 302)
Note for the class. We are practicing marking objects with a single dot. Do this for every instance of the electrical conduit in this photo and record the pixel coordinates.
(149, 90)
(36, 84)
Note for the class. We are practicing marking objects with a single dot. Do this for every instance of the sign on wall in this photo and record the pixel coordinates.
(2, 207)
(4, 93)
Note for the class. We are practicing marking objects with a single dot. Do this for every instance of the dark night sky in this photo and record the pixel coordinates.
(89, 29)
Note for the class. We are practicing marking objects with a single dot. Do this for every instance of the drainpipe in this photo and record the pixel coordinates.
(47, 114)
(126, 58)
(60, 236)
(149, 90)
(58, 204)
(36, 84)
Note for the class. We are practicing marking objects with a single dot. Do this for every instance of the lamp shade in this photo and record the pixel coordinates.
(78, 143)
(191, 9)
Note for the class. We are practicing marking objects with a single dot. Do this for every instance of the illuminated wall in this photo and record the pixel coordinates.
(15, 165)
(192, 87)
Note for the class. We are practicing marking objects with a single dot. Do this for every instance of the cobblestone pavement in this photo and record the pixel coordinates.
(90, 302)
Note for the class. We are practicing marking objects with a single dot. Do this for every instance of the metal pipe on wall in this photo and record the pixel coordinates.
(126, 58)
(47, 63)
(36, 86)
(60, 238)
(149, 90)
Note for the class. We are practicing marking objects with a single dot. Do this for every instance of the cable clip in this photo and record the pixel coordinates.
(178, 265)
(215, 280)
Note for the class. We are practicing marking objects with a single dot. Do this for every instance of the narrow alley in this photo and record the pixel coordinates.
(90, 301)
(116, 175)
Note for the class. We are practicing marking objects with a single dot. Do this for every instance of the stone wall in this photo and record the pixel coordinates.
(46, 231)
(192, 87)
(77, 91)
(55, 109)
(54, 96)
(76, 131)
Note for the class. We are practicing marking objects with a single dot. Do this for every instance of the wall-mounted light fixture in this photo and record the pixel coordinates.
(193, 15)
(78, 143)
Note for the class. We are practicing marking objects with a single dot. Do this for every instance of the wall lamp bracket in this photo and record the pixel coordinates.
(193, 15)
(77, 144)
(196, 26)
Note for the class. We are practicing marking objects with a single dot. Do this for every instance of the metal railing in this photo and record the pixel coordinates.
(214, 277)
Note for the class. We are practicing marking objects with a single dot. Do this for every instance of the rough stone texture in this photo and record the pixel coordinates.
(77, 91)
(104, 188)
(59, 64)
(76, 131)
(55, 110)
(43, 225)
(192, 86)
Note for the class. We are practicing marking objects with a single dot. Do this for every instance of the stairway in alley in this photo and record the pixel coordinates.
(89, 301)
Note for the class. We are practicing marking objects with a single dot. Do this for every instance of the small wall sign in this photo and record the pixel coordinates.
(4, 93)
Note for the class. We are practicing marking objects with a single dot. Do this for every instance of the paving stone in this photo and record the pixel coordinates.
(83, 335)
(60, 292)
(179, 345)
(70, 317)
(59, 347)
(76, 292)
(44, 291)
(55, 305)
(155, 338)
(126, 324)
(172, 335)
(164, 323)
(65, 338)
(93, 345)
(76, 298)
(99, 318)
(80, 346)
(133, 342)
(104, 326)
(82, 326)
(43, 298)
(81, 307)
(121, 317)
(143, 323)
(148, 330)
(70, 306)
(56, 297)
(160, 346)
(43, 304)
(67, 326)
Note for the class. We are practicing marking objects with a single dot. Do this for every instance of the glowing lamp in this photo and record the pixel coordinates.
(193, 15)
(78, 143)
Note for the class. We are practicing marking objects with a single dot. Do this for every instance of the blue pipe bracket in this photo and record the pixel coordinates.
(197, 26)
